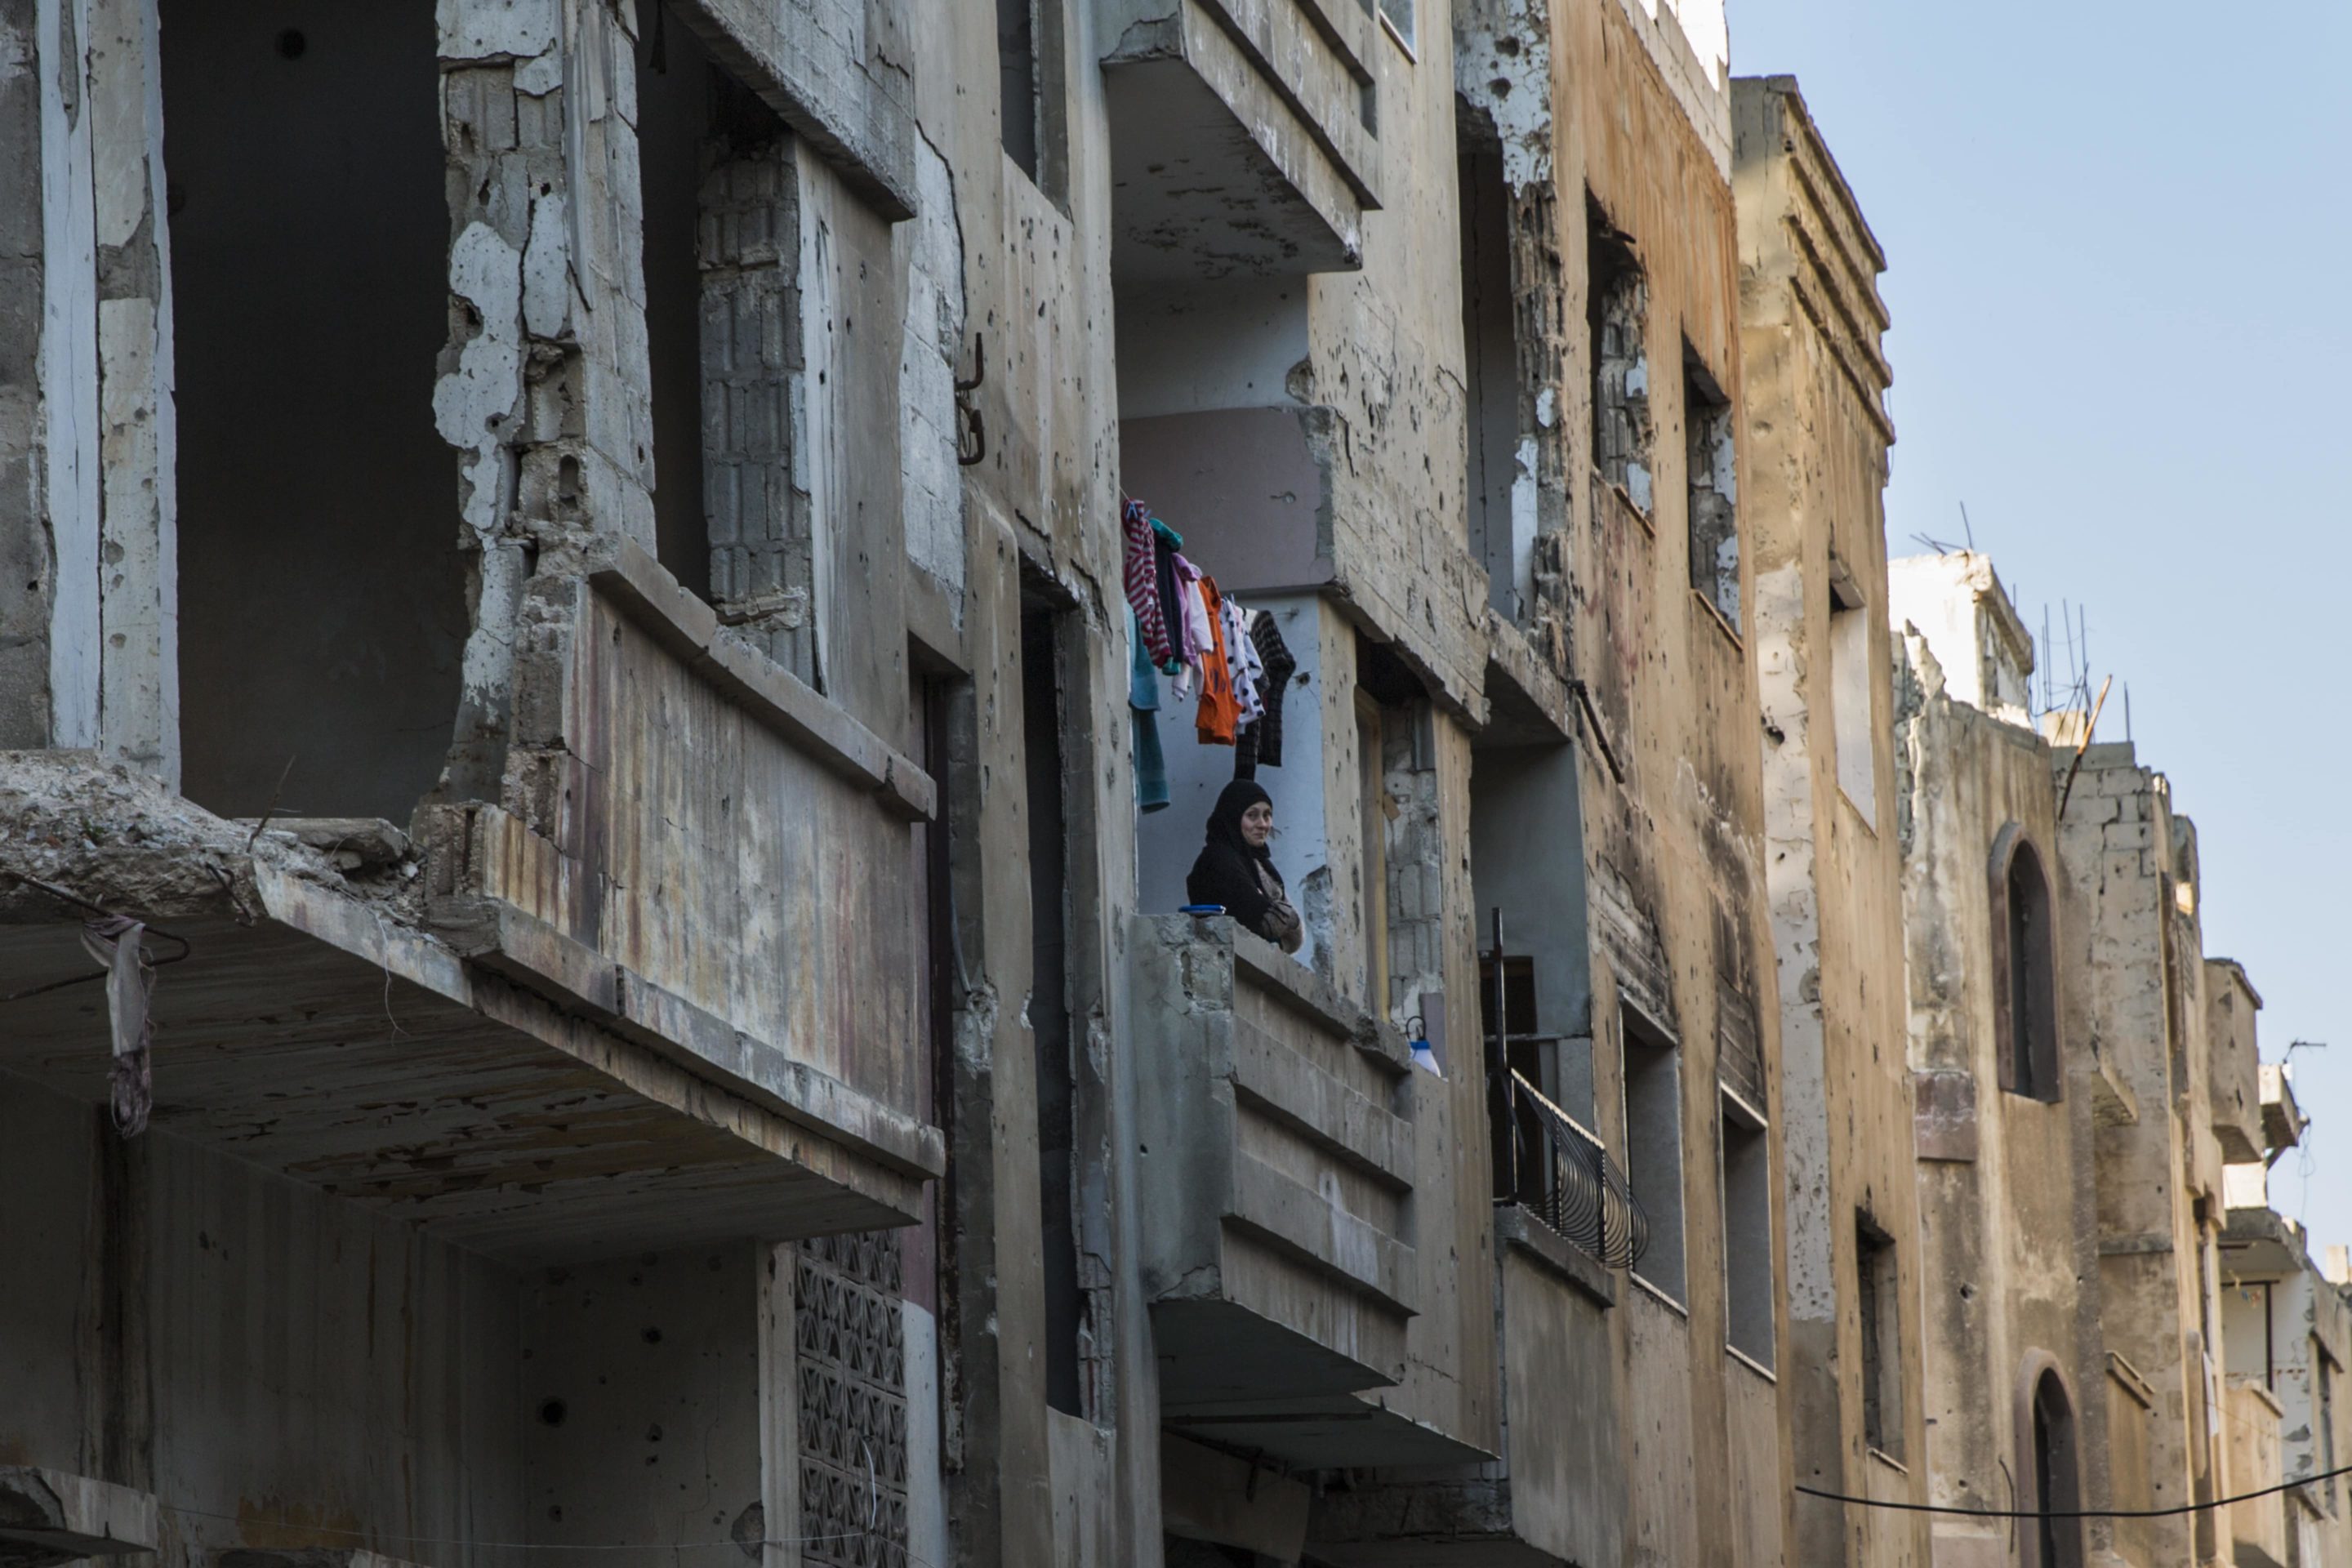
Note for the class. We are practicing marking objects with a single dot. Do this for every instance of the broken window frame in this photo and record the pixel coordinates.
(1624, 427)
(1711, 489)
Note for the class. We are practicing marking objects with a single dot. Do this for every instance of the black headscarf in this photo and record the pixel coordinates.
(1227, 871)
(1226, 821)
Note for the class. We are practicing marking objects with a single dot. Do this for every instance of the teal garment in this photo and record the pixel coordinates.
(1143, 711)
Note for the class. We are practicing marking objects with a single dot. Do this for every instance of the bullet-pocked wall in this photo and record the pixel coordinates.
(322, 598)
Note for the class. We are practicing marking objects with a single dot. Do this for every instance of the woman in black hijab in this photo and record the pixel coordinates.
(1236, 868)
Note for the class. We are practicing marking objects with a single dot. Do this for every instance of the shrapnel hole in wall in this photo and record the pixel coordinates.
(308, 475)
(1616, 344)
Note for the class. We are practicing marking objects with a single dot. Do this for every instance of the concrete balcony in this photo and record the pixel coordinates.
(1277, 1192)
(1243, 135)
(2283, 1118)
(2258, 1527)
(515, 1031)
(2232, 1004)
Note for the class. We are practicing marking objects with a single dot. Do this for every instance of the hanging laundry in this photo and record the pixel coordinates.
(1275, 658)
(1191, 624)
(1143, 712)
(1140, 571)
(1219, 712)
(1242, 659)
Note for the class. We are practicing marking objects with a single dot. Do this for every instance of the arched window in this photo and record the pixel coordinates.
(2025, 950)
(2057, 1485)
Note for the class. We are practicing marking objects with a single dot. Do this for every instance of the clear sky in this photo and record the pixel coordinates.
(2119, 240)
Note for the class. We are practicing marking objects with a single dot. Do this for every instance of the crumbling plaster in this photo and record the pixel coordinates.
(1816, 448)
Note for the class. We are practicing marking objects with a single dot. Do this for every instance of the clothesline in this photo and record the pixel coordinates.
(1231, 660)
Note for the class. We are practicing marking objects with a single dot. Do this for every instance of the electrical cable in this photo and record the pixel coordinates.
(2077, 1512)
(376, 1541)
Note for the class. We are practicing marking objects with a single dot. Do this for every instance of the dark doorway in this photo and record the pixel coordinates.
(2055, 1482)
(1046, 768)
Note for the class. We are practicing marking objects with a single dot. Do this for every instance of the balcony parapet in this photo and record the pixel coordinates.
(1277, 1177)
(1244, 135)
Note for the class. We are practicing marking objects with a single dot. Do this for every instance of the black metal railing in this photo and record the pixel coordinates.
(1563, 1173)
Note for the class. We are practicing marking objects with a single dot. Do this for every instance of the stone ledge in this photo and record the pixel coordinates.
(1516, 1228)
(835, 102)
(1303, 990)
(643, 589)
(537, 957)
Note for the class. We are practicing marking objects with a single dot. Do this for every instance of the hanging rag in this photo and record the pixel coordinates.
(1140, 571)
(1171, 603)
(1143, 714)
(1275, 658)
(1219, 713)
(119, 944)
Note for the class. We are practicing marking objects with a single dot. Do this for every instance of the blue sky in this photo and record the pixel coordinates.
(2116, 241)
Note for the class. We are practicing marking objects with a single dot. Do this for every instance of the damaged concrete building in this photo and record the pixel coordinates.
(1817, 460)
(598, 800)
(2117, 1324)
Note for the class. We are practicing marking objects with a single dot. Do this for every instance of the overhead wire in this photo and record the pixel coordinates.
(2073, 1512)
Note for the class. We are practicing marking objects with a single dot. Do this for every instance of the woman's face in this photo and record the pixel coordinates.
(1257, 825)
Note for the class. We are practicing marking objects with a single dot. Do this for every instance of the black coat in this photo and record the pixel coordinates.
(1223, 875)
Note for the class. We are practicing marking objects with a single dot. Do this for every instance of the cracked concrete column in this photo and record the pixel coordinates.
(48, 381)
(542, 382)
(139, 584)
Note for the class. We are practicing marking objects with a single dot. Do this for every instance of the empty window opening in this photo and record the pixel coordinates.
(2056, 1486)
(1016, 81)
(724, 343)
(1617, 307)
(1029, 84)
(1879, 1296)
(2323, 1372)
(2026, 1015)
(1654, 1145)
(1851, 681)
(1045, 768)
(1501, 480)
(1714, 469)
(1404, 855)
(1374, 808)
(321, 588)
(1747, 1231)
